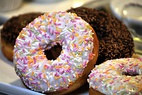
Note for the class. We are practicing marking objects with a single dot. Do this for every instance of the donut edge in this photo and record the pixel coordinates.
(83, 79)
(7, 50)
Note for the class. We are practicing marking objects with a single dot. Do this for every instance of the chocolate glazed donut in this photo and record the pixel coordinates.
(115, 41)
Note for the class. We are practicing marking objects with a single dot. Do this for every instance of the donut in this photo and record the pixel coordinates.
(117, 77)
(11, 29)
(70, 69)
(115, 41)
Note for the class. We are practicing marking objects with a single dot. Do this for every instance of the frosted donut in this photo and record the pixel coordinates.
(117, 77)
(71, 68)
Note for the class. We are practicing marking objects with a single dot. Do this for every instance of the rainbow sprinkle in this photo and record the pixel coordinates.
(110, 77)
(41, 74)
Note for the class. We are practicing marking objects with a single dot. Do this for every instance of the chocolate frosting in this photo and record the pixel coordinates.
(114, 38)
(14, 25)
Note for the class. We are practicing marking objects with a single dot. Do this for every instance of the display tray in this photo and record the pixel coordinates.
(11, 84)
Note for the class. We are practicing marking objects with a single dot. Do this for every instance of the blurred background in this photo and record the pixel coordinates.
(9, 8)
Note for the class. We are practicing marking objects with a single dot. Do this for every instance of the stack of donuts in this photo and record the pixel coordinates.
(57, 52)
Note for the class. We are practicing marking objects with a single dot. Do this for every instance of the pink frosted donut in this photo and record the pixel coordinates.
(69, 71)
(117, 77)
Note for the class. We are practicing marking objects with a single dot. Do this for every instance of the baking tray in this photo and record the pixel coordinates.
(11, 84)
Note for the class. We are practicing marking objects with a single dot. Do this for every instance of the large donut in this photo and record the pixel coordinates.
(70, 69)
(117, 77)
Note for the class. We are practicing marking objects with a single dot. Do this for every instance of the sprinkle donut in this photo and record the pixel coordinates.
(117, 77)
(70, 69)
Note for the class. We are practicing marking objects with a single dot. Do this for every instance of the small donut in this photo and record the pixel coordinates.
(115, 40)
(70, 69)
(11, 30)
(117, 77)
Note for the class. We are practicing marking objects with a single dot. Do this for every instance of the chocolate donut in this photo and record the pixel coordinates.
(11, 30)
(115, 41)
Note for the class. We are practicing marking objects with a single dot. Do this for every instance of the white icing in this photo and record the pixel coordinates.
(36, 71)
(108, 77)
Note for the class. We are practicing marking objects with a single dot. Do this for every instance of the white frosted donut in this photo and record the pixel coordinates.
(117, 77)
(79, 49)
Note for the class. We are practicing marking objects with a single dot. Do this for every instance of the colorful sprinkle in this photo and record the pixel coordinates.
(115, 77)
(71, 32)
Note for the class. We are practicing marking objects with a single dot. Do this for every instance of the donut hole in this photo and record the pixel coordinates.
(130, 73)
(53, 52)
